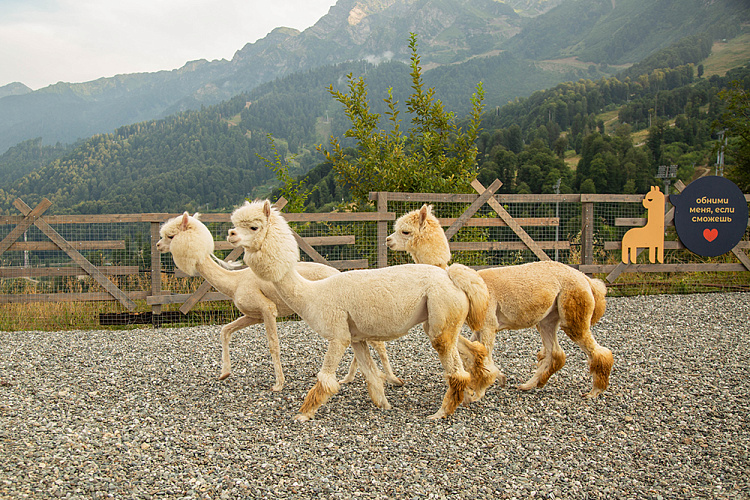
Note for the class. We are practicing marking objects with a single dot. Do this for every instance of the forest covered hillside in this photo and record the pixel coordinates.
(604, 135)
(533, 44)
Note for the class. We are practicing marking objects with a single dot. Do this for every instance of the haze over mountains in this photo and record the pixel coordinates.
(605, 34)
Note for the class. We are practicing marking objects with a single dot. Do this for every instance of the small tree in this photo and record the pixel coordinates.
(736, 119)
(434, 156)
(293, 190)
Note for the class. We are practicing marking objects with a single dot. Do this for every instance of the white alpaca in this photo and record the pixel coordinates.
(547, 294)
(362, 305)
(192, 247)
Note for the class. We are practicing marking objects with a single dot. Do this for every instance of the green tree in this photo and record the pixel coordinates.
(294, 190)
(436, 155)
(736, 120)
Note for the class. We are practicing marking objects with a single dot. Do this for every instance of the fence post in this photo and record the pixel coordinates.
(587, 233)
(155, 267)
(382, 230)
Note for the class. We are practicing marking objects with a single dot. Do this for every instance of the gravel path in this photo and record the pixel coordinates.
(140, 414)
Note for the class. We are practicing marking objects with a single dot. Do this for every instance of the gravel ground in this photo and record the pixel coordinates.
(141, 414)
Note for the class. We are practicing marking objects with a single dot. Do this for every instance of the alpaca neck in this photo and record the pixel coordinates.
(221, 279)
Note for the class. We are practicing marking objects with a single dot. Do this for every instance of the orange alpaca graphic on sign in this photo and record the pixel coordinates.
(651, 235)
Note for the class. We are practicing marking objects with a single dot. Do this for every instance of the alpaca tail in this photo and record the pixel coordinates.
(475, 289)
(599, 289)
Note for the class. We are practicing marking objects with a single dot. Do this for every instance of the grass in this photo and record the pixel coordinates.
(727, 55)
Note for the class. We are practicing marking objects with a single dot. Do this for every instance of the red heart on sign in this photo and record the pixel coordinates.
(710, 234)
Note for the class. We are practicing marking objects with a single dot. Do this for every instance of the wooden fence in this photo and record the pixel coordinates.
(489, 215)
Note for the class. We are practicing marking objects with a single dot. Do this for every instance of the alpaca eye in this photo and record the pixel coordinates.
(253, 228)
(406, 233)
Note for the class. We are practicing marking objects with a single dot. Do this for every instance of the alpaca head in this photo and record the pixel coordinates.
(419, 233)
(270, 248)
(189, 241)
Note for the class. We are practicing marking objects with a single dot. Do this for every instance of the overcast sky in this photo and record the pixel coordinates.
(43, 42)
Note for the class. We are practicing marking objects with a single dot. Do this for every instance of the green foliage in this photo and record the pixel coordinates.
(292, 189)
(736, 120)
(436, 155)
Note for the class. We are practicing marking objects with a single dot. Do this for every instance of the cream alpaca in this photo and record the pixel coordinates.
(362, 305)
(547, 294)
(192, 246)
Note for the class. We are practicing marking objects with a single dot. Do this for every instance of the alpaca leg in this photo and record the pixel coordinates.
(326, 386)
(475, 359)
(600, 359)
(352, 372)
(269, 319)
(390, 377)
(372, 374)
(577, 326)
(458, 379)
(553, 357)
(226, 335)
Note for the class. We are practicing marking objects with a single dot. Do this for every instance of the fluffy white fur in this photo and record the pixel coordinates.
(374, 304)
(549, 295)
(192, 247)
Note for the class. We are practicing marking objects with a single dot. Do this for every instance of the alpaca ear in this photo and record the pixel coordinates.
(184, 223)
(197, 215)
(267, 209)
(423, 214)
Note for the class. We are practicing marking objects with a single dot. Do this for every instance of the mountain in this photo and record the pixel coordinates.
(15, 88)
(450, 32)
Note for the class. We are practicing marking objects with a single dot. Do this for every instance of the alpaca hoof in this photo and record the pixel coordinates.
(301, 417)
(501, 379)
(593, 394)
(224, 375)
(437, 416)
(346, 380)
(395, 381)
(472, 396)
(386, 406)
(277, 387)
(527, 386)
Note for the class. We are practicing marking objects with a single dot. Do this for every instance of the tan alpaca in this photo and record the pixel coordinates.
(192, 247)
(547, 294)
(366, 305)
(651, 235)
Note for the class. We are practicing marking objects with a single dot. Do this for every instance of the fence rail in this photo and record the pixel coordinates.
(113, 258)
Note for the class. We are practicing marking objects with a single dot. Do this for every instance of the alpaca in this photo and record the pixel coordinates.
(546, 294)
(651, 235)
(192, 247)
(371, 304)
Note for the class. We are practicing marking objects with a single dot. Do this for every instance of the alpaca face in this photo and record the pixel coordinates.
(168, 231)
(250, 222)
(419, 233)
(187, 239)
(404, 231)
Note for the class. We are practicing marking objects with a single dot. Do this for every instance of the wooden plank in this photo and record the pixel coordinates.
(668, 245)
(472, 209)
(29, 218)
(663, 268)
(341, 217)
(38, 272)
(77, 257)
(28, 298)
(38, 246)
(179, 298)
(475, 246)
(155, 265)
(495, 222)
(742, 257)
(497, 207)
(382, 231)
(316, 241)
(469, 198)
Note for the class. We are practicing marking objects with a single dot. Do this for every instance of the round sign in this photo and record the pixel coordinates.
(710, 215)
